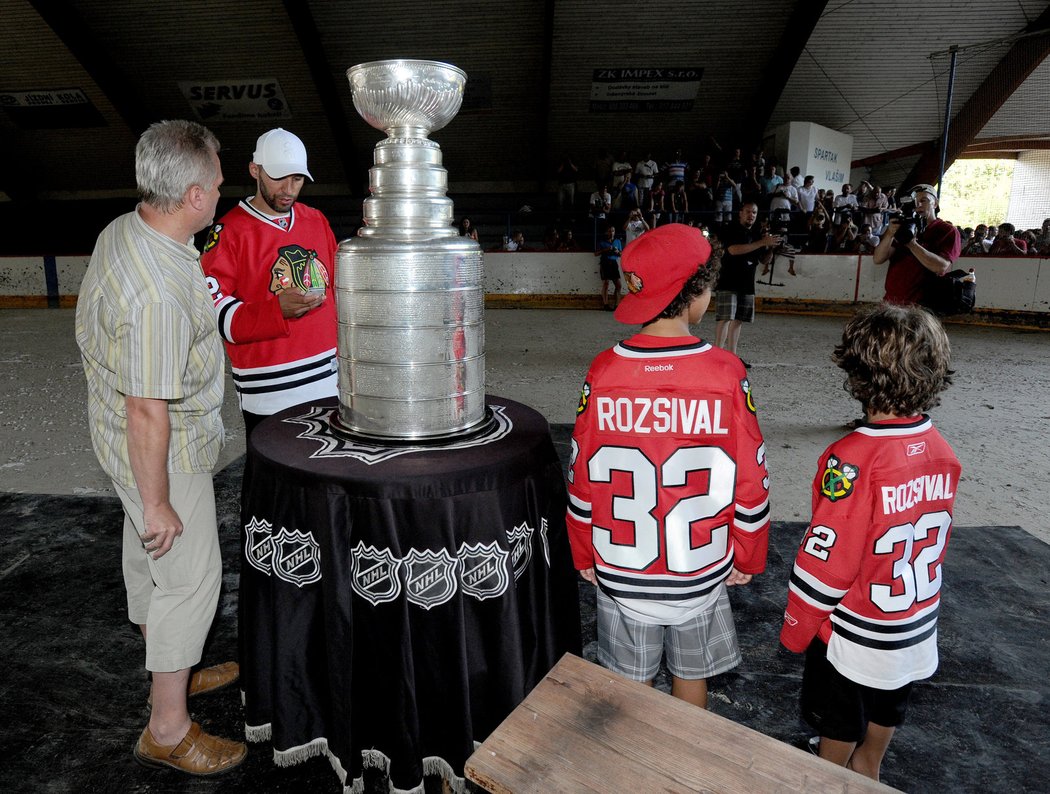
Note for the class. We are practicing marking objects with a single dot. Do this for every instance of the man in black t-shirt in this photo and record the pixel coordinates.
(744, 250)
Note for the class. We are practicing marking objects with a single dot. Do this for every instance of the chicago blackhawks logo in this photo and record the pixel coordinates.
(634, 282)
(838, 480)
(299, 268)
(745, 384)
(213, 237)
(585, 395)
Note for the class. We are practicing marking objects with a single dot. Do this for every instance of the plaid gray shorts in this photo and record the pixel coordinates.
(699, 648)
(735, 306)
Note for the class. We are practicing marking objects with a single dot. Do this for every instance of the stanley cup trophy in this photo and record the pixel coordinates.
(409, 294)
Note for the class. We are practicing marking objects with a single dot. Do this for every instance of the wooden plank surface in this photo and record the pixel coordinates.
(584, 729)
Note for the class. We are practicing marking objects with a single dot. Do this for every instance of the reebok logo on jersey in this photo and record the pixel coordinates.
(659, 367)
(916, 449)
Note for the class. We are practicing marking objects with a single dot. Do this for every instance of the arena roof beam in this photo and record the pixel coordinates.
(309, 37)
(1019, 62)
(1011, 144)
(70, 27)
(75, 34)
(893, 154)
(778, 68)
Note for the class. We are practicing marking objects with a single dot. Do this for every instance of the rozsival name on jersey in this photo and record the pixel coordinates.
(675, 415)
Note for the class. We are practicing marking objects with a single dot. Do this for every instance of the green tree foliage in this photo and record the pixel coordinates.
(977, 191)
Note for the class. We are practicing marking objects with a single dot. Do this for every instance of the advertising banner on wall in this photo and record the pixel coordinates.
(234, 100)
(50, 109)
(637, 90)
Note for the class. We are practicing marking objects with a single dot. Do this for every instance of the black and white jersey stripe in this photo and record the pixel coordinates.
(663, 598)
(225, 309)
(261, 380)
(580, 509)
(886, 635)
(884, 654)
(751, 519)
(629, 351)
(628, 584)
(920, 425)
(813, 591)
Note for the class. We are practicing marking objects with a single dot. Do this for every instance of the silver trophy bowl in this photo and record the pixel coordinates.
(408, 288)
(407, 98)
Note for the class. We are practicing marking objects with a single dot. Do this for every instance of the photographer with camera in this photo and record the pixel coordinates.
(919, 248)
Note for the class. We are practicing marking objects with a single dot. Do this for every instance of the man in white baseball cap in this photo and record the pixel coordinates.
(270, 263)
(280, 153)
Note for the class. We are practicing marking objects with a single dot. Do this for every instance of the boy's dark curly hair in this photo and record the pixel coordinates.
(694, 287)
(896, 359)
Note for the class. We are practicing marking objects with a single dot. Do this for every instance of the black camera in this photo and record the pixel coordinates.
(911, 224)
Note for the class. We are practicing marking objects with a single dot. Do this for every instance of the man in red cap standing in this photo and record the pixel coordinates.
(668, 489)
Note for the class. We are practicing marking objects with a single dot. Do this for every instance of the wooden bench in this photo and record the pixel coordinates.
(584, 729)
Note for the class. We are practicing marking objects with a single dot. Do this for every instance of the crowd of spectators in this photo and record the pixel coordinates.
(636, 195)
(1005, 240)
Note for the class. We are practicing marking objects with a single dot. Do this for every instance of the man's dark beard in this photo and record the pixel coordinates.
(269, 200)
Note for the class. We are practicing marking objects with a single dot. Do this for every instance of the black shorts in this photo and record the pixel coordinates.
(610, 270)
(841, 709)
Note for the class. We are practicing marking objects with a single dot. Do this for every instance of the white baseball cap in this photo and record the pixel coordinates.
(281, 153)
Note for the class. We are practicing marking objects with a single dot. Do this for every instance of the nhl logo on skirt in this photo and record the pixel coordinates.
(374, 575)
(430, 577)
(296, 557)
(258, 548)
(520, 539)
(483, 570)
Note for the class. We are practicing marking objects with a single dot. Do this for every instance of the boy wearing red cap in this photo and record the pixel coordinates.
(668, 489)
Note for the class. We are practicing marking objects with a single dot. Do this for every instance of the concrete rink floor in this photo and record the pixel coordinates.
(995, 415)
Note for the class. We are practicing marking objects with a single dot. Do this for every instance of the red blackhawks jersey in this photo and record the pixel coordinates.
(668, 489)
(867, 577)
(248, 258)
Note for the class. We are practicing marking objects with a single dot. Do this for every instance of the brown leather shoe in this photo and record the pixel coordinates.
(212, 679)
(208, 679)
(198, 753)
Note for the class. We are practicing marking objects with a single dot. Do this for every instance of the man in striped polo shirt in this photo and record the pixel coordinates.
(153, 361)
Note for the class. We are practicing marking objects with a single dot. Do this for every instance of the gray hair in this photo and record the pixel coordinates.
(170, 158)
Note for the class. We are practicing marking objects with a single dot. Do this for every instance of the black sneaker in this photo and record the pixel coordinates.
(813, 745)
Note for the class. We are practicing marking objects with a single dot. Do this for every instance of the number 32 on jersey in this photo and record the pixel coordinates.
(653, 486)
(916, 575)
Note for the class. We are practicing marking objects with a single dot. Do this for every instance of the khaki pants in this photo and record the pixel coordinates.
(174, 597)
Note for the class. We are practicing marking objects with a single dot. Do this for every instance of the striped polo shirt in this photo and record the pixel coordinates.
(146, 328)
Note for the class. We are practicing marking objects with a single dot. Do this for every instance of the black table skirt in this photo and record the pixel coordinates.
(397, 603)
